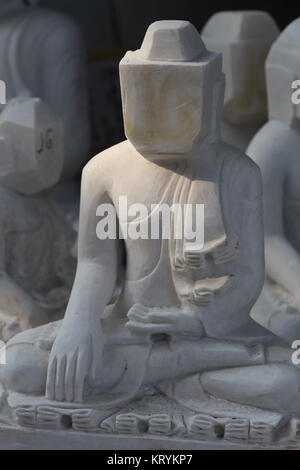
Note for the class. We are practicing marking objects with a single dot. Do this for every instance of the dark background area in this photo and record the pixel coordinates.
(122, 23)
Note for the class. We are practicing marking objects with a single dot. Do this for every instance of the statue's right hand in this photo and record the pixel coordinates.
(74, 357)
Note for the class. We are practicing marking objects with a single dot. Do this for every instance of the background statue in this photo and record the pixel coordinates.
(42, 55)
(244, 38)
(275, 149)
(36, 241)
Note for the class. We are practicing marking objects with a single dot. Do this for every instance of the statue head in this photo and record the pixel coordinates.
(282, 69)
(31, 146)
(244, 38)
(172, 88)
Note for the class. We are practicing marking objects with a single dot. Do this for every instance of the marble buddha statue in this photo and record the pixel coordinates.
(42, 55)
(36, 260)
(180, 319)
(244, 38)
(275, 150)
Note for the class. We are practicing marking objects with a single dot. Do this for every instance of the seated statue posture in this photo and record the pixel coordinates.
(275, 149)
(36, 240)
(183, 306)
(42, 55)
(244, 38)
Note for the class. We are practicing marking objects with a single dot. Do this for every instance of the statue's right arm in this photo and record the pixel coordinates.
(97, 267)
(77, 350)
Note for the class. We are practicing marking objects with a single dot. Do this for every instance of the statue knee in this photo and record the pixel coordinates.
(270, 386)
(25, 370)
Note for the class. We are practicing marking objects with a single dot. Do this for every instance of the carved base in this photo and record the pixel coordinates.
(16, 438)
(152, 422)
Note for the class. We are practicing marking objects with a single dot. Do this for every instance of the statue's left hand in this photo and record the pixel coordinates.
(145, 321)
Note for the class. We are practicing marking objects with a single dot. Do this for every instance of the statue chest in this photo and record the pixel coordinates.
(182, 223)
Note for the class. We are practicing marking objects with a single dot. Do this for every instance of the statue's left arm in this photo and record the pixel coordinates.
(230, 310)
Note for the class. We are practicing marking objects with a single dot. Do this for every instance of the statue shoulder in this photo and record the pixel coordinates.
(109, 163)
(273, 147)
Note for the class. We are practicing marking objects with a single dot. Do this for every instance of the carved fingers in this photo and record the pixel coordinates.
(128, 424)
(144, 320)
(149, 328)
(194, 259)
(68, 371)
(225, 253)
(138, 313)
(202, 297)
(160, 424)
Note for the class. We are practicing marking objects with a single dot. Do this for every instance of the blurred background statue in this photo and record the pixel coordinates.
(36, 240)
(244, 38)
(42, 55)
(276, 150)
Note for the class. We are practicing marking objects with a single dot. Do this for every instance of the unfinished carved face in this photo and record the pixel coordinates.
(31, 146)
(168, 89)
(244, 38)
(164, 107)
(245, 95)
